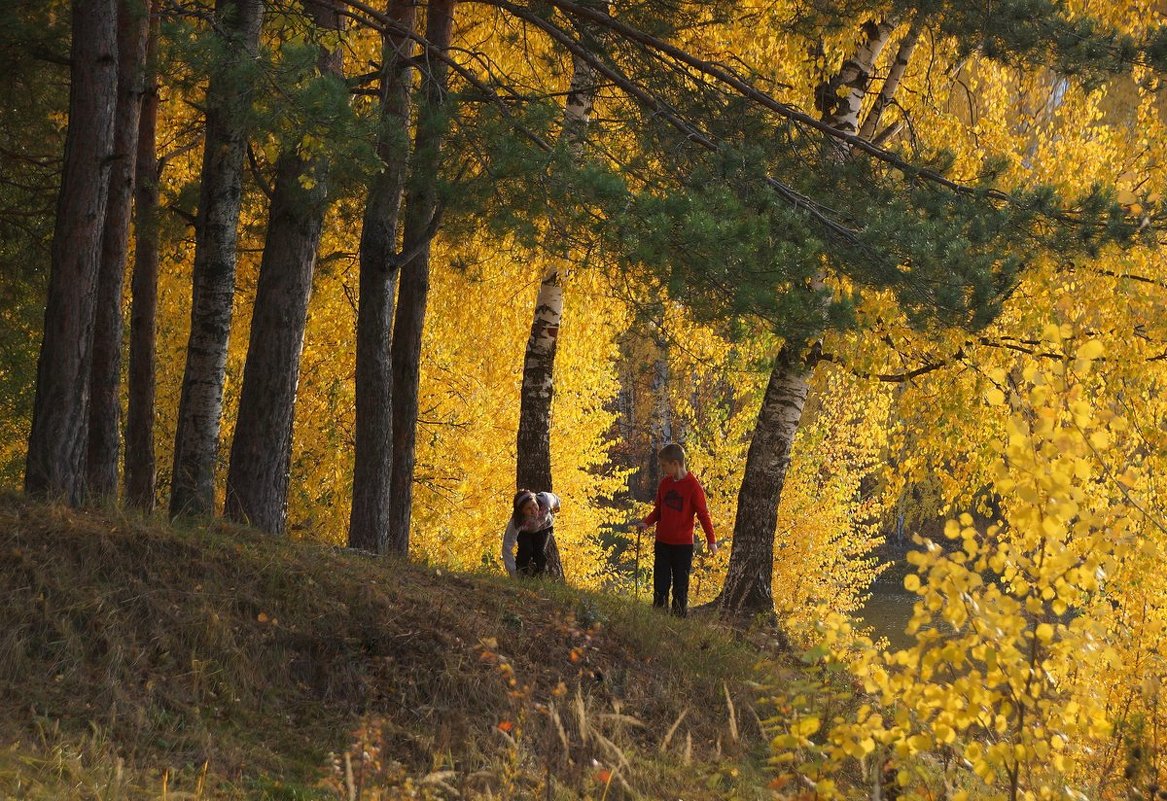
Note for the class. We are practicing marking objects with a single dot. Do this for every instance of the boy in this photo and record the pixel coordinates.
(679, 497)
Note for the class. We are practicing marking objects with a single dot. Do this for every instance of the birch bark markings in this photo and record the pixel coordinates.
(373, 449)
(57, 443)
(200, 405)
(749, 580)
(533, 462)
(891, 84)
(105, 374)
(261, 449)
(420, 209)
(533, 468)
(140, 466)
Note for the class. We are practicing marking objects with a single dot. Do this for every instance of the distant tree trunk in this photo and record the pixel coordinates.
(373, 451)
(140, 471)
(749, 581)
(533, 463)
(200, 405)
(421, 209)
(261, 450)
(105, 381)
(57, 444)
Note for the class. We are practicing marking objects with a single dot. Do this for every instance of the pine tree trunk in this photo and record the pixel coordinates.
(105, 381)
(261, 450)
(749, 580)
(533, 462)
(200, 404)
(373, 452)
(58, 440)
(140, 470)
(421, 206)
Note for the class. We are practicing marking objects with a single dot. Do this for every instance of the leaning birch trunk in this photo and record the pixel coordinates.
(421, 210)
(55, 465)
(373, 450)
(105, 372)
(261, 449)
(139, 472)
(891, 84)
(200, 404)
(533, 463)
(749, 581)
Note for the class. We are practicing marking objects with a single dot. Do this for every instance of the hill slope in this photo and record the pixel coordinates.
(139, 660)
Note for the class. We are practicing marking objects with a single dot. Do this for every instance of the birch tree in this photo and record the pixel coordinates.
(748, 582)
(533, 447)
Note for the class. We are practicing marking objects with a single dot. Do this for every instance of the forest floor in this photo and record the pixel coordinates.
(140, 660)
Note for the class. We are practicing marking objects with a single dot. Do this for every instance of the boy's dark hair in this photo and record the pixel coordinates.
(521, 498)
(672, 453)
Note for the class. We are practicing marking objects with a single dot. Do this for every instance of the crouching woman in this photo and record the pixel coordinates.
(531, 525)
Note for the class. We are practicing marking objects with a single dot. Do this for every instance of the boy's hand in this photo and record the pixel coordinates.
(713, 549)
(639, 524)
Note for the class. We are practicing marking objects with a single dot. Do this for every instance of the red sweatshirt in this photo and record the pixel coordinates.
(676, 504)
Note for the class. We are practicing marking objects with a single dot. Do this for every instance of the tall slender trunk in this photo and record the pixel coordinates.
(55, 464)
(139, 471)
(373, 451)
(421, 208)
(749, 581)
(261, 450)
(105, 374)
(748, 584)
(533, 462)
(200, 404)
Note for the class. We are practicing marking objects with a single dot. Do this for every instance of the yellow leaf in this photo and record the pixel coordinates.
(1090, 350)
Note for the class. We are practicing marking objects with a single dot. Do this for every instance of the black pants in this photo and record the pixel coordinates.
(531, 559)
(670, 568)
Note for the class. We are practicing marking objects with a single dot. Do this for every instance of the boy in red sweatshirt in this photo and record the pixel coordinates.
(679, 497)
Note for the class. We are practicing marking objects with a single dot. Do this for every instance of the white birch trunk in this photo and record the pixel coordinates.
(533, 464)
(891, 84)
(749, 581)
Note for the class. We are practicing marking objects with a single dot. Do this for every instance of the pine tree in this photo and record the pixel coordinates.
(55, 465)
(261, 449)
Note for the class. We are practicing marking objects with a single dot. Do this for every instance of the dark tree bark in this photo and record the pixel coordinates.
(421, 210)
(749, 579)
(261, 450)
(105, 380)
(533, 461)
(200, 405)
(140, 470)
(373, 451)
(55, 465)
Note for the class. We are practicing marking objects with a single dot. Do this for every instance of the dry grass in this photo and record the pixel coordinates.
(140, 660)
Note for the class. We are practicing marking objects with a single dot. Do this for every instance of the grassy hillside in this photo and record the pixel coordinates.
(140, 660)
